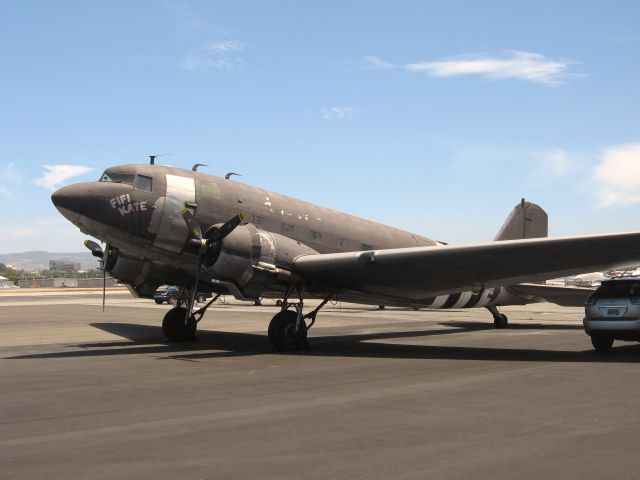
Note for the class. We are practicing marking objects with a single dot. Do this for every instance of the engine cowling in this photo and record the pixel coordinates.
(254, 259)
(142, 276)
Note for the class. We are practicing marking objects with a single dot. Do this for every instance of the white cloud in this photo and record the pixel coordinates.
(9, 176)
(337, 113)
(55, 175)
(617, 177)
(528, 66)
(375, 63)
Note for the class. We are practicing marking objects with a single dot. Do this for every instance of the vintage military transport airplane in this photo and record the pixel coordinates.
(258, 243)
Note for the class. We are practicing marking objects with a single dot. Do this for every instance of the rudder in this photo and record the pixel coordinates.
(526, 220)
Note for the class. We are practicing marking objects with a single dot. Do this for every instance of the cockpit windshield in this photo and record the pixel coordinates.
(117, 178)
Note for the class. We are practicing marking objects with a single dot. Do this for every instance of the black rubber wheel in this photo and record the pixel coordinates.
(171, 299)
(278, 303)
(158, 301)
(282, 332)
(201, 298)
(175, 326)
(500, 321)
(381, 307)
(602, 343)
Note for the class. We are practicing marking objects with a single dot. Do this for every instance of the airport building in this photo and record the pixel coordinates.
(65, 282)
(63, 266)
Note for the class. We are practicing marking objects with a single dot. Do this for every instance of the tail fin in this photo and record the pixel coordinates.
(526, 220)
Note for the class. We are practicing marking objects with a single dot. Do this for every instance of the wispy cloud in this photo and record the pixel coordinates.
(55, 175)
(10, 176)
(617, 176)
(188, 20)
(624, 38)
(337, 113)
(528, 66)
(225, 46)
(375, 63)
(215, 55)
(535, 166)
(555, 163)
(59, 234)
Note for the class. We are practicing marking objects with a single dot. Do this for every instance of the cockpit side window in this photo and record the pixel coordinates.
(117, 178)
(143, 183)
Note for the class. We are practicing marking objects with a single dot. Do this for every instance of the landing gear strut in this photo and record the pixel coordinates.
(288, 328)
(178, 328)
(500, 320)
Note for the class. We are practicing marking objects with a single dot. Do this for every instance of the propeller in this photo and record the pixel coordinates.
(215, 233)
(96, 251)
(206, 244)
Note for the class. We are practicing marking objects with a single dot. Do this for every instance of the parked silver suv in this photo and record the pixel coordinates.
(612, 312)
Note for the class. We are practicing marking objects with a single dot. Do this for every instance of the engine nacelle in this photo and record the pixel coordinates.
(253, 259)
(142, 276)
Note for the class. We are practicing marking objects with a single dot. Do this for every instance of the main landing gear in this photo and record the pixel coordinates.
(288, 328)
(178, 328)
(500, 320)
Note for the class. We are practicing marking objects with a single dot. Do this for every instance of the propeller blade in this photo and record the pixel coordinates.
(96, 250)
(194, 229)
(215, 234)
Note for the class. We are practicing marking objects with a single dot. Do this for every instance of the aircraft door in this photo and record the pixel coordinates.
(172, 231)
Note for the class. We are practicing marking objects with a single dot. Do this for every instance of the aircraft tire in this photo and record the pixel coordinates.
(501, 321)
(176, 328)
(281, 332)
(602, 343)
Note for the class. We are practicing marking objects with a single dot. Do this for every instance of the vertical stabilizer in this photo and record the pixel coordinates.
(526, 220)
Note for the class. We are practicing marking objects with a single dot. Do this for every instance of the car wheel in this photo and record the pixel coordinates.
(171, 299)
(601, 343)
(201, 298)
(158, 301)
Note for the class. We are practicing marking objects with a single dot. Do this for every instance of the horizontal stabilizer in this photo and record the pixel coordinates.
(563, 296)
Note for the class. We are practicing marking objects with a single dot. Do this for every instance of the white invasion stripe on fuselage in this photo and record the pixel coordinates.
(462, 301)
(439, 301)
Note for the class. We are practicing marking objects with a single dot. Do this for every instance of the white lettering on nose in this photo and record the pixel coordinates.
(125, 206)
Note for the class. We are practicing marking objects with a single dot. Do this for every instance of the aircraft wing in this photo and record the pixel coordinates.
(415, 274)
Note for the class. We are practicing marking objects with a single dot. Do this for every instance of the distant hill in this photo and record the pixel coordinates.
(39, 260)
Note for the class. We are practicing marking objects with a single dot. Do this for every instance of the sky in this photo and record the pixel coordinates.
(434, 117)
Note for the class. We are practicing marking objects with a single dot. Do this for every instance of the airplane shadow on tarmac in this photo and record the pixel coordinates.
(146, 339)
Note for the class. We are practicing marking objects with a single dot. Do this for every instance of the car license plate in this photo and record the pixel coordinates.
(613, 311)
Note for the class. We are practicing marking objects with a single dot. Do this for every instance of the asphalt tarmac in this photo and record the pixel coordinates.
(381, 394)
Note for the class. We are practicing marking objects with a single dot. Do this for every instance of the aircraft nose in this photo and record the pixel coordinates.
(69, 201)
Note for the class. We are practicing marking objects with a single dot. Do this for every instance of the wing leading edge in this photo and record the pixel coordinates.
(416, 274)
